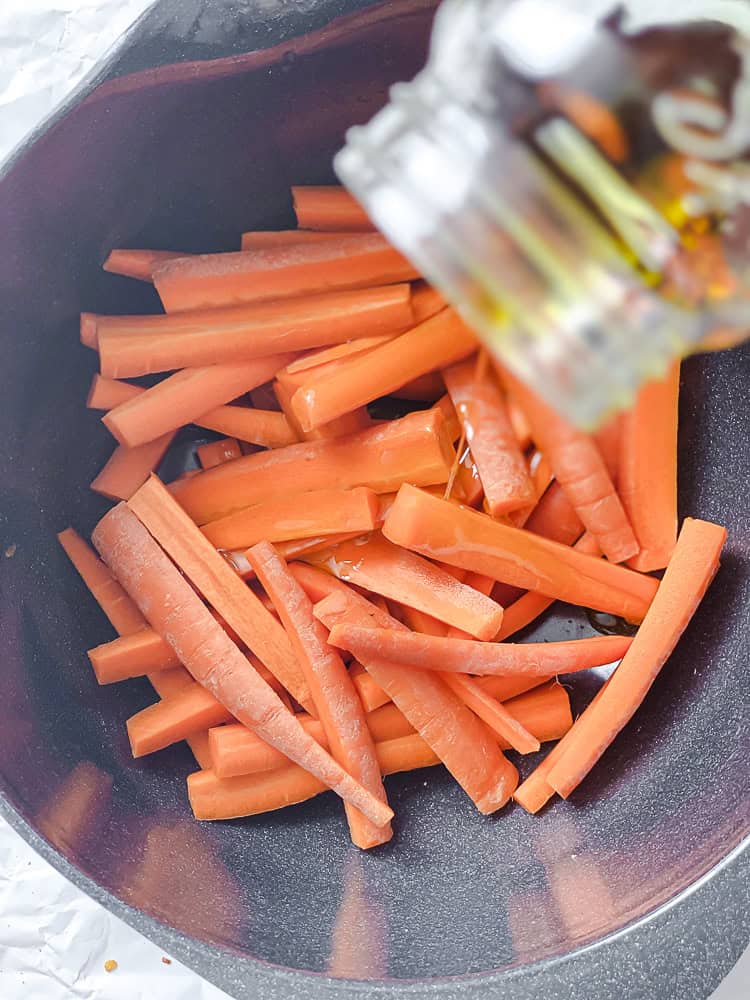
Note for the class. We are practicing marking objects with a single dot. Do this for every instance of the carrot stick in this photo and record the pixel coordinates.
(236, 750)
(138, 263)
(298, 548)
(177, 614)
(453, 732)
(332, 691)
(414, 448)
(370, 693)
(128, 468)
(304, 515)
(489, 433)
(474, 541)
(132, 655)
(648, 470)
(554, 517)
(106, 591)
(530, 605)
(338, 352)
(435, 343)
(211, 281)
(107, 393)
(591, 116)
(689, 574)
(217, 452)
(498, 718)
(130, 346)
(263, 427)
(351, 423)
(220, 585)
(426, 301)
(445, 405)
(506, 688)
(519, 423)
(607, 440)
(402, 576)
(175, 718)
(182, 397)
(431, 652)
(581, 472)
(329, 208)
(260, 240)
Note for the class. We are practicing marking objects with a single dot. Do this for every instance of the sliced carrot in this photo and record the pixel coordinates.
(591, 116)
(491, 712)
(607, 440)
(446, 407)
(211, 281)
(236, 750)
(519, 423)
(262, 427)
(689, 574)
(489, 433)
(452, 731)
(554, 517)
(527, 608)
(107, 393)
(426, 301)
(122, 612)
(304, 515)
(332, 691)
(138, 263)
(433, 344)
(338, 352)
(262, 240)
(402, 576)
(132, 655)
(371, 694)
(648, 470)
(506, 688)
(177, 717)
(414, 448)
(130, 346)
(474, 541)
(425, 388)
(350, 423)
(128, 468)
(298, 548)
(177, 613)
(329, 208)
(217, 452)
(184, 396)
(580, 470)
(222, 588)
(430, 652)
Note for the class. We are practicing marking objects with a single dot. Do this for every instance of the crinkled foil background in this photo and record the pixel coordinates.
(54, 940)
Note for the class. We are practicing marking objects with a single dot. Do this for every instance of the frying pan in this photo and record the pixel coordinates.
(635, 887)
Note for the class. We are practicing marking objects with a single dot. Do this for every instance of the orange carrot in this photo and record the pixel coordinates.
(648, 470)
(607, 440)
(128, 468)
(329, 208)
(425, 388)
(426, 301)
(435, 343)
(338, 351)
(192, 710)
(212, 281)
(506, 688)
(299, 547)
(402, 576)
(690, 571)
(177, 614)
(131, 346)
(260, 240)
(491, 712)
(263, 427)
(591, 116)
(350, 423)
(132, 655)
(530, 606)
(481, 409)
(555, 518)
(474, 541)
(106, 591)
(332, 691)
(304, 515)
(217, 452)
(236, 750)
(137, 263)
(451, 730)
(445, 405)
(369, 691)
(414, 448)
(519, 423)
(107, 393)
(581, 472)
(182, 397)
(431, 652)
(220, 585)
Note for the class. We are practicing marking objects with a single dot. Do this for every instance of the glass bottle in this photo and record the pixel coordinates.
(571, 175)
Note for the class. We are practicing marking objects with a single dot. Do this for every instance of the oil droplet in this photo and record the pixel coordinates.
(110, 965)
(610, 624)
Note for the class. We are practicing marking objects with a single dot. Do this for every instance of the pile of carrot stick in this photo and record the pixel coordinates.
(328, 598)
